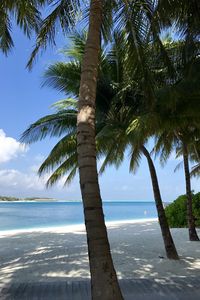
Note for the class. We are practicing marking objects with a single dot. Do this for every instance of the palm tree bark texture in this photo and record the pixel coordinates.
(166, 234)
(104, 284)
(190, 217)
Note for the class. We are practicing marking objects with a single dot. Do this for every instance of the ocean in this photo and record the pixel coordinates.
(27, 215)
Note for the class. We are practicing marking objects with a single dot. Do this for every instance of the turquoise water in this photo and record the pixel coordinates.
(26, 215)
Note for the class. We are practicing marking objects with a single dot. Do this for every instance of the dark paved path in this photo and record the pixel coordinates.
(137, 289)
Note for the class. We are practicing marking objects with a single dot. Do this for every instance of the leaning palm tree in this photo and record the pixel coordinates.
(117, 103)
(62, 160)
(127, 131)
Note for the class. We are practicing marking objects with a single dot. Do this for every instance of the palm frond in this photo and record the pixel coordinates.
(27, 15)
(51, 125)
(178, 166)
(62, 151)
(65, 104)
(6, 41)
(69, 165)
(135, 157)
(64, 77)
(195, 172)
(64, 14)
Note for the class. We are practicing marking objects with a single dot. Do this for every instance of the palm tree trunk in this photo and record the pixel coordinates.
(166, 234)
(190, 217)
(104, 284)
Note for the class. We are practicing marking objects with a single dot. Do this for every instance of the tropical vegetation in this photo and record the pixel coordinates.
(176, 211)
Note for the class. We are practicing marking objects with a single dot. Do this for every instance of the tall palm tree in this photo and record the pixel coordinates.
(104, 280)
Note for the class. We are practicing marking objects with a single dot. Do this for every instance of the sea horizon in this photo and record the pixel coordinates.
(35, 214)
(78, 201)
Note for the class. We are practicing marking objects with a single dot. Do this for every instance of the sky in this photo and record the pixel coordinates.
(23, 101)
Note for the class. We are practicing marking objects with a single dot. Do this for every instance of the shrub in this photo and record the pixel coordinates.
(176, 212)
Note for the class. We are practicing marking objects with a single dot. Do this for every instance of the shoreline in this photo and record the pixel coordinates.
(73, 227)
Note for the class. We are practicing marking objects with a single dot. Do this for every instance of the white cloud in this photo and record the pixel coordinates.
(14, 180)
(9, 147)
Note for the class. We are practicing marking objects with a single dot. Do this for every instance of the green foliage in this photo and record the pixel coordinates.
(24, 13)
(176, 212)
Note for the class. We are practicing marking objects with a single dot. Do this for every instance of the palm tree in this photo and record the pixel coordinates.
(103, 276)
(180, 126)
(127, 131)
(167, 237)
(112, 121)
(169, 141)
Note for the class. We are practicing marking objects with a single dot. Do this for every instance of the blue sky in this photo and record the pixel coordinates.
(23, 101)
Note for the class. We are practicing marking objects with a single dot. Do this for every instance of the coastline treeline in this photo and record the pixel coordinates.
(8, 198)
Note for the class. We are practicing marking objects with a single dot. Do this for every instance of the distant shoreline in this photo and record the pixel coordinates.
(28, 199)
(77, 201)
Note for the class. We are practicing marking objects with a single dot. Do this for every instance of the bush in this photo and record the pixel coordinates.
(176, 212)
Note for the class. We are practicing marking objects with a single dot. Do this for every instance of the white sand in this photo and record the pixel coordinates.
(61, 253)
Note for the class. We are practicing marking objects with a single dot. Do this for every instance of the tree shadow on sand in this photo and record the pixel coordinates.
(137, 250)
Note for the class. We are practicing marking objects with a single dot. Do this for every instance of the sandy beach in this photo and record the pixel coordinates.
(61, 253)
